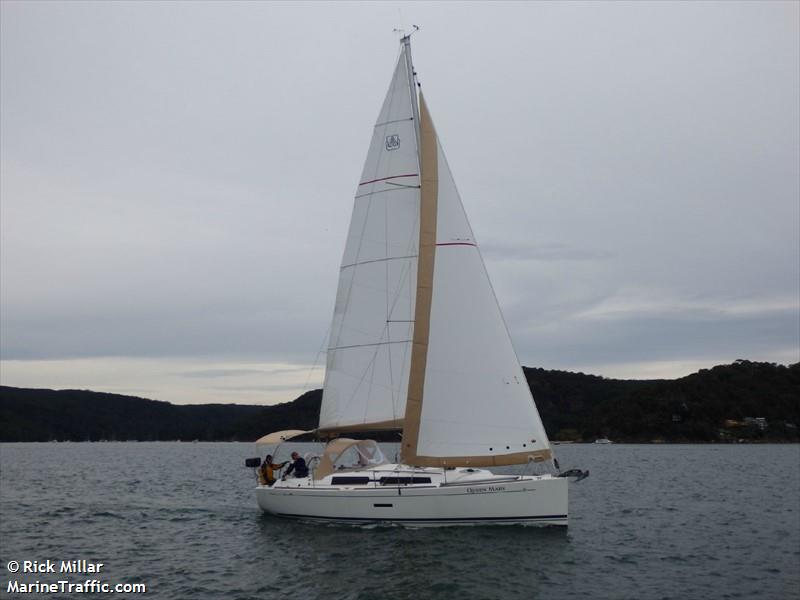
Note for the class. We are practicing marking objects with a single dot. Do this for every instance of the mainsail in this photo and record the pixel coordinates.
(369, 353)
(418, 341)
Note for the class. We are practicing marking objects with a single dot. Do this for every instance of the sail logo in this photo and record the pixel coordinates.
(392, 142)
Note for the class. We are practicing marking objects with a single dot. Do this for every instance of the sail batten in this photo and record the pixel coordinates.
(395, 121)
(387, 178)
(374, 260)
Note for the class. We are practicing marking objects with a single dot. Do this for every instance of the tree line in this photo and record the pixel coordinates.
(743, 401)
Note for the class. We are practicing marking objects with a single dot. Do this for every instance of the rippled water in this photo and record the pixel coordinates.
(672, 521)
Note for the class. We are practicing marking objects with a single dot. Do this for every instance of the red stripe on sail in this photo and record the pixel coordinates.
(385, 178)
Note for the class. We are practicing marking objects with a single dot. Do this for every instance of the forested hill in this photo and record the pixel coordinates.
(717, 404)
(33, 415)
(741, 401)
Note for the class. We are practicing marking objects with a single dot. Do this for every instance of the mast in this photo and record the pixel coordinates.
(412, 87)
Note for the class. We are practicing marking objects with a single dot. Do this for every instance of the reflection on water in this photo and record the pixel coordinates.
(387, 562)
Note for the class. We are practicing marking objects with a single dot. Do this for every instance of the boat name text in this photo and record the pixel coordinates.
(484, 490)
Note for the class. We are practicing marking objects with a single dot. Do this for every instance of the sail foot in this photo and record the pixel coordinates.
(516, 458)
(334, 430)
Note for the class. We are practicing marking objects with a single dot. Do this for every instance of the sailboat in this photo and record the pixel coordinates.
(418, 345)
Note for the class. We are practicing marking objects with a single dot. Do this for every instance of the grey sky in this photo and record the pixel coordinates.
(177, 181)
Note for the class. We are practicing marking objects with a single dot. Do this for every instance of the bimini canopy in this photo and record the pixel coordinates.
(355, 454)
(278, 437)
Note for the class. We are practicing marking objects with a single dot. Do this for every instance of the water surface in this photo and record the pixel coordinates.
(659, 521)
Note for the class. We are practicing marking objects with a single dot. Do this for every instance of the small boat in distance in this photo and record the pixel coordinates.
(603, 441)
(418, 345)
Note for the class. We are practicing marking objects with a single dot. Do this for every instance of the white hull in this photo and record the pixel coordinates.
(468, 497)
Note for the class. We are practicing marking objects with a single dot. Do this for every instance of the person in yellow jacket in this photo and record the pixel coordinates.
(268, 469)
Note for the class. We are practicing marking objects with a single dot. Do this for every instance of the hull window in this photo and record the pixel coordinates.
(404, 480)
(350, 480)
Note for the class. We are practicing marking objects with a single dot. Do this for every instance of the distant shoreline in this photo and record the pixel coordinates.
(743, 402)
(623, 443)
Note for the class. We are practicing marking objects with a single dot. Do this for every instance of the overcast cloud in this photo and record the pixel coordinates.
(177, 181)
